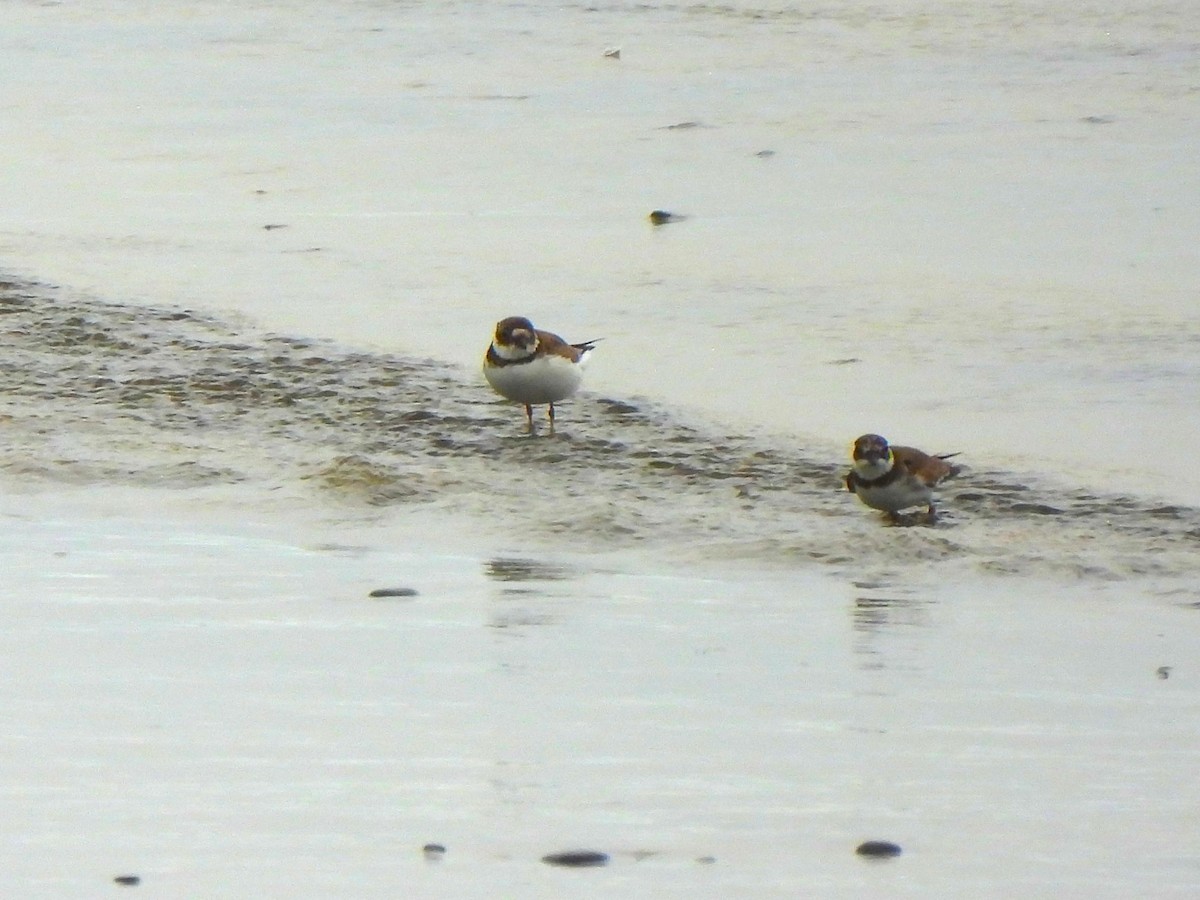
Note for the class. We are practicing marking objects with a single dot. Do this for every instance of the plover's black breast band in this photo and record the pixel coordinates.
(496, 359)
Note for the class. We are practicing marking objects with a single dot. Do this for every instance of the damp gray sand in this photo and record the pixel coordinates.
(99, 393)
(686, 652)
(209, 698)
(670, 641)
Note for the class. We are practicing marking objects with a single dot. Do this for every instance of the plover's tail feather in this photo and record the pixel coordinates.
(953, 467)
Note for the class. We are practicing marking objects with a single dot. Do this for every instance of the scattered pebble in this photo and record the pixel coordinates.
(613, 52)
(878, 849)
(765, 154)
(129, 880)
(706, 860)
(434, 851)
(577, 858)
(383, 593)
(273, 227)
(662, 217)
(1163, 672)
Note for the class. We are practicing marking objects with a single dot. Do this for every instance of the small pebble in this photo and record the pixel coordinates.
(662, 217)
(1163, 672)
(129, 880)
(577, 858)
(878, 849)
(706, 860)
(613, 53)
(380, 593)
(434, 851)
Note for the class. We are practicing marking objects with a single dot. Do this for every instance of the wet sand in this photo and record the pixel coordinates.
(111, 394)
(685, 649)
(256, 252)
(221, 708)
(974, 230)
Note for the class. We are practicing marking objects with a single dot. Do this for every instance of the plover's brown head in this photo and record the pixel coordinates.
(516, 333)
(871, 448)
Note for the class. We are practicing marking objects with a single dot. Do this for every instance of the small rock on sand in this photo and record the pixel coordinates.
(662, 217)
(577, 858)
(878, 849)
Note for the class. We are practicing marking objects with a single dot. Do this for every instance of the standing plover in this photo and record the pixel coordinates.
(533, 367)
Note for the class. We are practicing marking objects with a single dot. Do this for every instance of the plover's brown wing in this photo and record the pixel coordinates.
(552, 345)
(930, 469)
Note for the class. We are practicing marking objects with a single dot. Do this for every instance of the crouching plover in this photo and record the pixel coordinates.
(533, 367)
(894, 479)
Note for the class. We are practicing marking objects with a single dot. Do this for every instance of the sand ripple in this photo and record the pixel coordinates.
(102, 393)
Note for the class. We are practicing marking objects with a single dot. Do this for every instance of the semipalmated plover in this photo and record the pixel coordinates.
(533, 367)
(894, 479)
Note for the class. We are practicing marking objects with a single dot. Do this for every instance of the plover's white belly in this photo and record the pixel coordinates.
(546, 379)
(899, 495)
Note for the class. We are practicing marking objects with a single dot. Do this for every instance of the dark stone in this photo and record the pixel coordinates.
(577, 858)
(878, 849)
(662, 217)
(128, 880)
(434, 851)
(383, 593)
